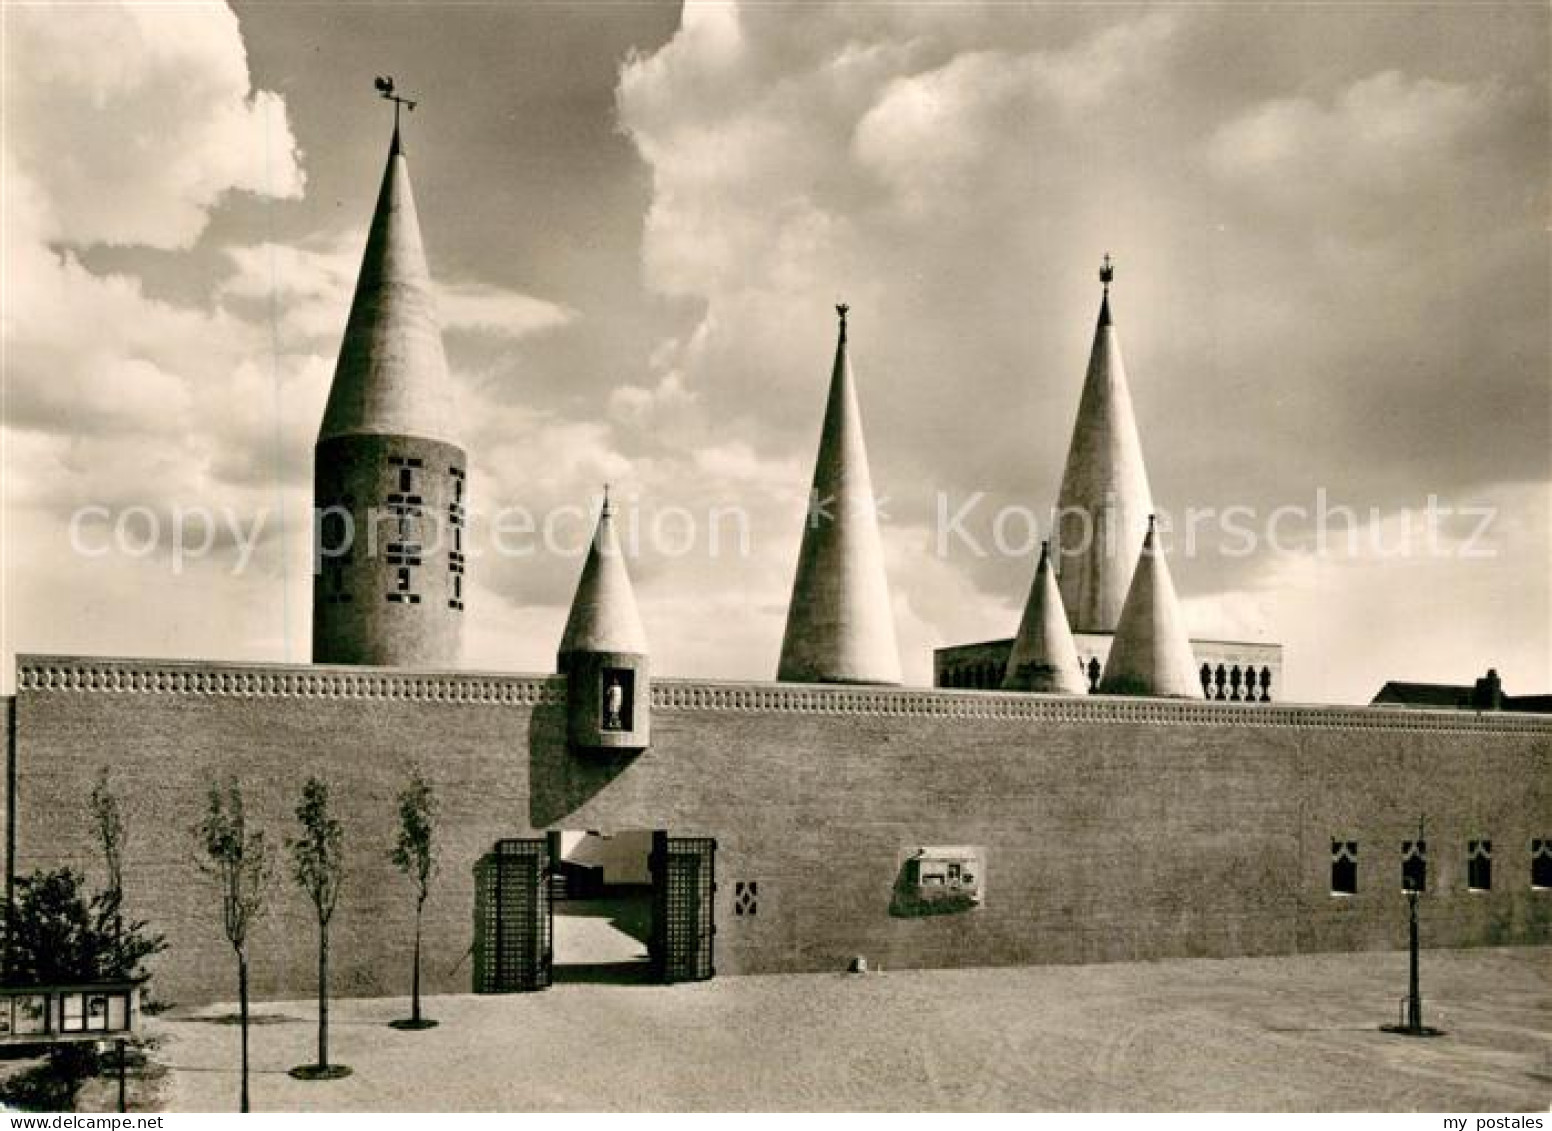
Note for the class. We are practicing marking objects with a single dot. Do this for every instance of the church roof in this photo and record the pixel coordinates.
(391, 377)
(1151, 653)
(1104, 501)
(1399, 694)
(1044, 656)
(1459, 697)
(840, 626)
(604, 617)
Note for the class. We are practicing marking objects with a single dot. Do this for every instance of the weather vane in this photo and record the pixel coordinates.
(384, 84)
(1106, 270)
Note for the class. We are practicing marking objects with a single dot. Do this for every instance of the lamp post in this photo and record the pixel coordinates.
(1414, 1021)
(1413, 881)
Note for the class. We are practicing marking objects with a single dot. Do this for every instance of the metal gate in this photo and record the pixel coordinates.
(514, 948)
(684, 896)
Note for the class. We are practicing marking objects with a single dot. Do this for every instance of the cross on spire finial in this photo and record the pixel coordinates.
(385, 88)
(842, 309)
(1106, 272)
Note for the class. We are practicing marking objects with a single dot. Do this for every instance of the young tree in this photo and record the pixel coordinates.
(241, 864)
(111, 833)
(318, 864)
(415, 855)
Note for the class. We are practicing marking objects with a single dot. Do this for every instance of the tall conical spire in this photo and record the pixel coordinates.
(1151, 652)
(390, 593)
(604, 617)
(391, 378)
(840, 627)
(1044, 657)
(1104, 502)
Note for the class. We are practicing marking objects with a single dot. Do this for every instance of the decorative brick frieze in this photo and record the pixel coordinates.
(67, 674)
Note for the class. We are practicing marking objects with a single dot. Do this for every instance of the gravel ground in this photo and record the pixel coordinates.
(1294, 1033)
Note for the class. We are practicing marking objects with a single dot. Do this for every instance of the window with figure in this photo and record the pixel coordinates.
(618, 687)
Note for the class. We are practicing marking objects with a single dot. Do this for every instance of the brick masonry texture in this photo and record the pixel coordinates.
(370, 628)
(1112, 829)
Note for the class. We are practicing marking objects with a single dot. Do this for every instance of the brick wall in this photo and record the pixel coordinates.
(360, 615)
(1112, 829)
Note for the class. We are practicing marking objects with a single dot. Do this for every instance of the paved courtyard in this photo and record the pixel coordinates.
(1295, 1033)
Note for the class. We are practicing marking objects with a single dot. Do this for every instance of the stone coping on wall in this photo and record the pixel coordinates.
(76, 674)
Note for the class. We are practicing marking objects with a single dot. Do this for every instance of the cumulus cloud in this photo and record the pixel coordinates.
(1366, 147)
(130, 121)
(1468, 575)
(125, 125)
(1333, 272)
(311, 283)
(1305, 259)
(130, 126)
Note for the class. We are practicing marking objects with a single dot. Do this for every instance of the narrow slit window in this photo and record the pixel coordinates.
(1344, 867)
(1479, 865)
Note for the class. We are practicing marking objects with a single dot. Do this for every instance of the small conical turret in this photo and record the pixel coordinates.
(1044, 657)
(391, 377)
(1104, 502)
(1151, 652)
(603, 616)
(840, 627)
(603, 652)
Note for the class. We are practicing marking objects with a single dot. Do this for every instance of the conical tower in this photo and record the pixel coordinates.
(603, 652)
(603, 616)
(1044, 657)
(1104, 502)
(1151, 652)
(840, 627)
(389, 474)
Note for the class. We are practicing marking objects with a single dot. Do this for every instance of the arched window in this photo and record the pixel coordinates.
(1479, 865)
(1344, 867)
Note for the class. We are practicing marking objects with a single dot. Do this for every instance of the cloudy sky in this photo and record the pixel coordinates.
(1330, 224)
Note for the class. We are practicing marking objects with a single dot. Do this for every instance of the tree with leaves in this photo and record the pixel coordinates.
(241, 864)
(415, 854)
(318, 865)
(56, 935)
